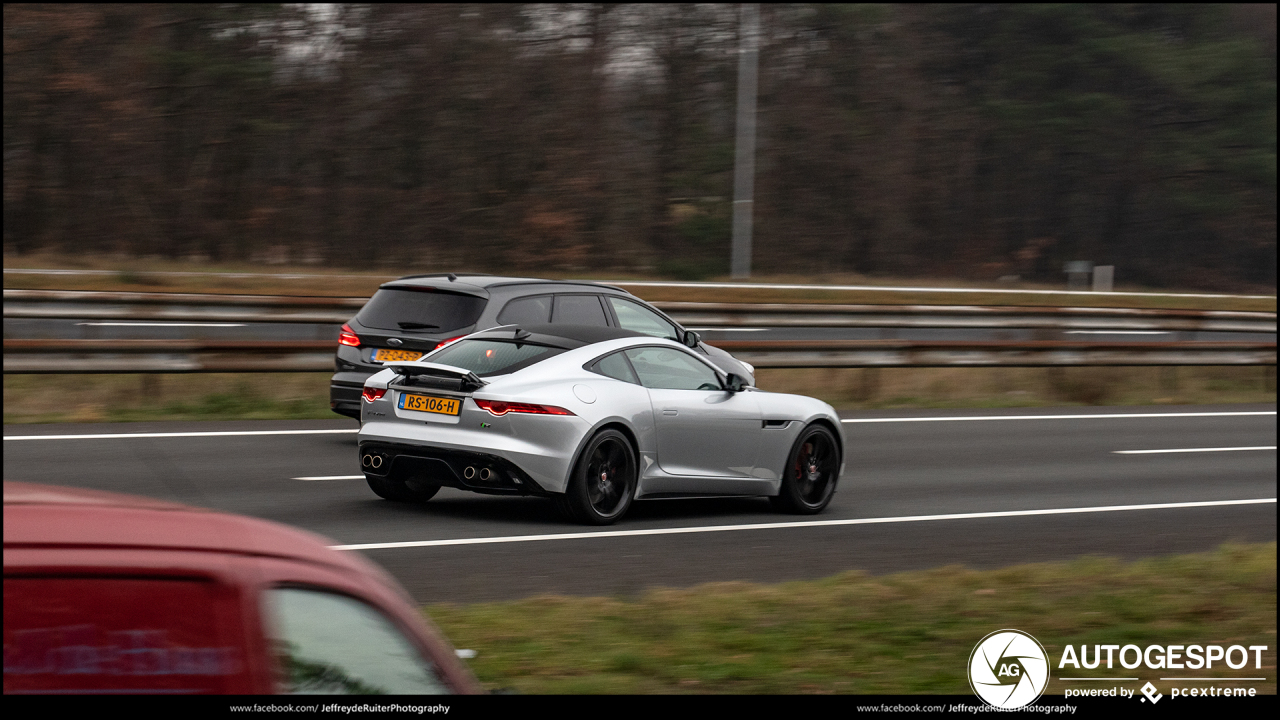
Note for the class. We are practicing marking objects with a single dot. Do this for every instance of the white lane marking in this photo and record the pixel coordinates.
(781, 525)
(161, 324)
(1057, 417)
(332, 477)
(1187, 450)
(1117, 332)
(224, 433)
(767, 286)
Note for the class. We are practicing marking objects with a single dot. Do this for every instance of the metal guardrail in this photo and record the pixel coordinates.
(85, 305)
(1036, 353)
(185, 356)
(166, 356)
(196, 307)
(182, 356)
(964, 316)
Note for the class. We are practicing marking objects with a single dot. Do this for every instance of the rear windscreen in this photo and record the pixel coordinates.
(492, 357)
(420, 310)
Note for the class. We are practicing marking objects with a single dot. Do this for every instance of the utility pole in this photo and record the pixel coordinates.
(744, 165)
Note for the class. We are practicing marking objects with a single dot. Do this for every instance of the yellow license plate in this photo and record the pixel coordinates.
(426, 403)
(385, 355)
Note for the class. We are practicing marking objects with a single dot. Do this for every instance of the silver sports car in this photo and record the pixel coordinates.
(595, 418)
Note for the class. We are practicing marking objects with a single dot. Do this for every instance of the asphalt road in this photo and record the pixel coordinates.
(996, 470)
(42, 329)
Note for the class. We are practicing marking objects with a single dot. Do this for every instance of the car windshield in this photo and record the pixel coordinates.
(401, 309)
(492, 357)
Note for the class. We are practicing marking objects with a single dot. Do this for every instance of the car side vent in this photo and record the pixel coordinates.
(776, 424)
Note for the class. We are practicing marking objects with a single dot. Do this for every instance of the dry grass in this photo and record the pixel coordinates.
(904, 633)
(126, 398)
(861, 388)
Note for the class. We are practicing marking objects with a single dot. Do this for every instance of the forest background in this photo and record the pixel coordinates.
(972, 141)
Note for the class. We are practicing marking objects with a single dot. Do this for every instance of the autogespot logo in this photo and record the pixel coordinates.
(1008, 669)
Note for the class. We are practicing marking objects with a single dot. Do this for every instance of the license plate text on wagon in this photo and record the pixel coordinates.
(385, 355)
(427, 403)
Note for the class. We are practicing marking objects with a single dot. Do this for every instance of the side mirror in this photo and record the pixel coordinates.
(733, 383)
(691, 338)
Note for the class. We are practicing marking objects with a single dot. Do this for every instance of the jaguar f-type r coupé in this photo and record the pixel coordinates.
(595, 418)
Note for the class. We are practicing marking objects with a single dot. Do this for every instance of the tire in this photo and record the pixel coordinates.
(603, 482)
(809, 479)
(399, 491)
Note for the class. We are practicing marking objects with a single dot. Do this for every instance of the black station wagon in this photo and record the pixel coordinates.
(414, 315)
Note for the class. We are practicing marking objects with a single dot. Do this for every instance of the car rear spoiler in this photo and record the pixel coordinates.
(445, 377)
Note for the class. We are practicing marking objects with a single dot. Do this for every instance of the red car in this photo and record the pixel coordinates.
(108, 593)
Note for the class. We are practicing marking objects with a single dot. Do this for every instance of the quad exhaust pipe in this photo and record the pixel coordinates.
(374, 461)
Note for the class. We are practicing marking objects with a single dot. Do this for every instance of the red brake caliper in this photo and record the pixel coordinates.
(804, 453)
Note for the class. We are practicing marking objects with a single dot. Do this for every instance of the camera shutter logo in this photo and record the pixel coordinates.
(1008, 669)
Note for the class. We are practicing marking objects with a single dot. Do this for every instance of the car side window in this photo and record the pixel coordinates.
(579, 310)
(334, 644)
(616, 367)
(671, 369)
(638, 318)
(531, 310)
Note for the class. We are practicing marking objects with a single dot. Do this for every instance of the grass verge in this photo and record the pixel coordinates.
(903, 633)
(305, 396)
(882, 388)
(130, 398)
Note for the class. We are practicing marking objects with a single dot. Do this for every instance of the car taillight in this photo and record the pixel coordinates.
(500, 408)
(348, 336)
(446, 342)
(371, 394)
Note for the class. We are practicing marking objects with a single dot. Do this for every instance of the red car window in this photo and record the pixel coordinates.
(71, 635)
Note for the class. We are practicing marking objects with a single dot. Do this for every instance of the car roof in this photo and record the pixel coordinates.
(567, 336)
(471, 282)
(49, 516)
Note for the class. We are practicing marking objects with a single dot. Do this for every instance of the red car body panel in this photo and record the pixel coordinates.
(88, 574)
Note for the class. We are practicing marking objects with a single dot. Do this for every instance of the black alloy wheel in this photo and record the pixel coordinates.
(809, 480)
(604, 481)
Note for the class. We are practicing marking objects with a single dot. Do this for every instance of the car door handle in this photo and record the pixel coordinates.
(670, 412)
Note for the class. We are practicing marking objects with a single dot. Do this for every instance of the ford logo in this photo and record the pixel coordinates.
(395, 341)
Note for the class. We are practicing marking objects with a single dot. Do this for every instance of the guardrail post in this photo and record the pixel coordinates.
(1103, 277)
